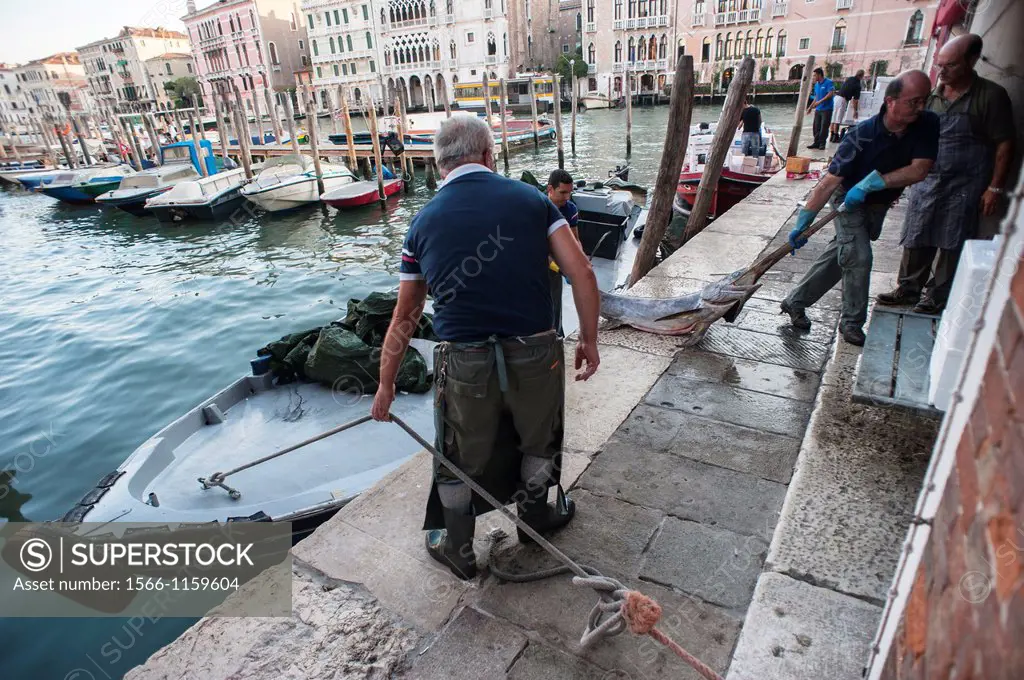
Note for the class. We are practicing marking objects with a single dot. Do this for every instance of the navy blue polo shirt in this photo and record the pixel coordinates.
(571, 213)
(481, 244)
(870, 146)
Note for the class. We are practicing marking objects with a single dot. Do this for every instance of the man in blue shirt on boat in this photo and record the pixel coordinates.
(872, 165)
(481, 248)
(560, 193)
(821, 104)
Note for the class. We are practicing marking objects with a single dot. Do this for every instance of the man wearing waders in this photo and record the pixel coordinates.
(481, 248)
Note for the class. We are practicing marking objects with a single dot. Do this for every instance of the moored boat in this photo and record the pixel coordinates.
(206, 198)
(360, 193)
(85, 184)
(597, 100)
(14, 177)
(135, 190)
(290, 181)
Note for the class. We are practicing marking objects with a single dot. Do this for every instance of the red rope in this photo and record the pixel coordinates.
(642, 614)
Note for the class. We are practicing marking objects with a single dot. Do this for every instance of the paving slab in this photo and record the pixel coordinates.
(729, 404)
(704, 257)
(716, 565)
(667, 286)
(687, 488)
(474, 645)
(818, 315)
(796, 631)
(779, 325)
(649, 343)
(784, 351)
(773, 289)
(542, 662)
(594, 408)
(555, 611)
(756, 376)
(762, 454)
(853, 491)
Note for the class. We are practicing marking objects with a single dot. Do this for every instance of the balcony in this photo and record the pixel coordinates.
(727, 18)
(780, 9)
(616, 68)
(844, 4)
(413, 66)
(662, 21)
(617, 25)
(630, 24)
(749, 15)
(449, 18)
(408, 23)
(591, 69)
(699, 19)
(488, 14)
(491, 59)
(592, 27)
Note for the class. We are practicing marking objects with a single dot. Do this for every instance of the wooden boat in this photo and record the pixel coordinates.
(85, 184)
(251, 418)
(359, 193)
(178, 163)
(18, 177)
(208, 198)
(597, 100)
(290, 181)
(738, 178)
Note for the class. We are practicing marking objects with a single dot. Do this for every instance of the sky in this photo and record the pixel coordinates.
(38, 28)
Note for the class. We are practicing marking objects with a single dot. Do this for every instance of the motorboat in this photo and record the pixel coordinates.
(597, 100)
(85, 184)
(740, 174)
(13, 176)
(268, 138)
(252, 417)
(290, 181)
(135, 190)
(207, 198)
(359, 194)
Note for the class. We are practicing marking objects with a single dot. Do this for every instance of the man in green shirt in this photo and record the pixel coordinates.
(967, 181)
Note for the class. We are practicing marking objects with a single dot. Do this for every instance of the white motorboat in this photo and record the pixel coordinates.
(83, 185)
(288, 182)
(596, 100)
(135, 190)
(208, 198)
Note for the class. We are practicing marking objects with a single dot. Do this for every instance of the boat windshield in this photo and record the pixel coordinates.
(179, 154)
(141, 181)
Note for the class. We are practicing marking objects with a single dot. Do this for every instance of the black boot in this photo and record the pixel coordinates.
(542, 518)
(454, 547)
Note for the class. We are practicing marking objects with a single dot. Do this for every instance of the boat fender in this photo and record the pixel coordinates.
(213, 414)
(260, 365)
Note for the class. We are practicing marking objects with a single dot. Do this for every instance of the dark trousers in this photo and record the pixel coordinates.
(555, 282)
(822, 119)
(917, 274)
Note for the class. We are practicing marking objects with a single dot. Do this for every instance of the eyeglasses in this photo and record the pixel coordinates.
(915, 102)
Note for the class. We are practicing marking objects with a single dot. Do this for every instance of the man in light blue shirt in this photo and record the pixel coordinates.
(821, 104)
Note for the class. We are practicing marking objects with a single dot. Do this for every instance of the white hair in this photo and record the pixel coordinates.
(460, 140)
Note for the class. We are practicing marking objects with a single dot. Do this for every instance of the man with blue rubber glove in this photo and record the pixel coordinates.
(874, 162)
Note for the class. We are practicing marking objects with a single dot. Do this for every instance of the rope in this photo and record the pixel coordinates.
(623, 608)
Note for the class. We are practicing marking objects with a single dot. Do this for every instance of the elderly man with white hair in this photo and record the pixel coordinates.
(480, 247)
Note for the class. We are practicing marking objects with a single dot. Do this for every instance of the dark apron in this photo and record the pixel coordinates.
(943, 210)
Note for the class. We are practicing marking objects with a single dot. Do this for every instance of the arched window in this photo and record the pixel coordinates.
(663, 47)
(618, 10)
(492, 46)
(727, 53)
(451, 50)
(437, 50)
(504, 44)
(738, 47)
(316, 50)
(591, 54)
(332, 44)
(705, 50)
(768, 44)
(632, 50)
(839, 36)
(652, 8)
(579, 22)
(759, 46)
(641, 48)
(618, 51)
(780, 50)
(348, 41)
(450, 7)
(632, 9)
(718, 47)
(663, 5)
(272, 48)
(369, 41)
(652, 48)
(590, 11)
(357, 94)
(914, 28)
(748, 47)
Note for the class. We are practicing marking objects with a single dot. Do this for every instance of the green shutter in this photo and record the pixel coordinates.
(332, 44)
(310, 17)
(335, 69)
(344, 69)
(344, 13)
(336, 18)
(366, 13)
(328, 16)
(319, 72)
(353, 68)
(373, 67)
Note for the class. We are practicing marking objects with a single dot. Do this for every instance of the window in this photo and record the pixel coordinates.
(663, 47)
(344, 69)
(328, 16)
(632, 50)
(302, 45)
(336, 17)
(369, 41)
(504, 44)
(366, 13)
(618, 51)
(353, 67)
(748, 46)
(188, 66)
(451, 47)
(839, 37)
(319, 72)
(470, 38)
(780, 50)
(302, 58)
(336, 70)
(373, 67)
(705, 50)
(348, 41)
(565, 49)
(168, 67)
(316, 50)
(310, 17)
(618, 10)
(590, 11)
(727, 53)
(591, 54)
(579, 22)
(805, 44)
(632, 9)
(272, 49)
(332, 44)
(914, 28)
(738, 52)
(344, 14)
(759, 45)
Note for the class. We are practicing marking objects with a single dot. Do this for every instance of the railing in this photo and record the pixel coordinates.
(449, 18)
(591, 27)
(662, 64)
(911, 42)
(780, 9)
(700, 19)
(408, 23)
(749, 15)
(662, 21)
(432, 21)
(591, 69)
(491, 59)
(844, 4)
(449, 63)
(488, 13)
(616, 68)
(630, 23)
(413, 66)
(617, 25)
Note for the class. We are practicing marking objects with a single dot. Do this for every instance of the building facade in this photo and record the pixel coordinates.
(54, 85)
(344, 50)
(248, 45)
(116, 70)
(166, 68)
(535, 34)
(14, 113)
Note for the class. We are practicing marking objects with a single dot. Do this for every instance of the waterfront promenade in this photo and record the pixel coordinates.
(734, 482)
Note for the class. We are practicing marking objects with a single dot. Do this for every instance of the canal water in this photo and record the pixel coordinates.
(113, 325)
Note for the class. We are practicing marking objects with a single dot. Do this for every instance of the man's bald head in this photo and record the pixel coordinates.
(966, 47)
(956, 60)
(905, 97)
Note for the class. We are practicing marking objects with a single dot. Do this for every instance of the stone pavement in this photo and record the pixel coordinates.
(682, 468)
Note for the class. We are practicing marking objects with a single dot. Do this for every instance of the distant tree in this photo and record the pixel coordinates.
(564, 69)
(65, 100)
(185, 91)
(833, 69)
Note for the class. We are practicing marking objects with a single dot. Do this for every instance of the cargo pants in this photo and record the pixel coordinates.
(480, 384)
(848, 259)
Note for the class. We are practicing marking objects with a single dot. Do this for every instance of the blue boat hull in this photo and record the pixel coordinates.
(33, 181)
(68, 194)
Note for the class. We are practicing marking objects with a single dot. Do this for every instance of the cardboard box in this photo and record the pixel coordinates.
(798, 164)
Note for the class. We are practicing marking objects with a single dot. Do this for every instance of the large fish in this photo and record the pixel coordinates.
(690, 316)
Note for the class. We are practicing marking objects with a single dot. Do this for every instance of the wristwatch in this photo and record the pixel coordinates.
(996, 190)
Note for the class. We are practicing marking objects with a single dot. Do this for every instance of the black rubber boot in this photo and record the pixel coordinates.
(454, 547)
(797, 317)
(541, 517)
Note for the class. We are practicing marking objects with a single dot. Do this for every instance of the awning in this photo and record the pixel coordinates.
(951, 12)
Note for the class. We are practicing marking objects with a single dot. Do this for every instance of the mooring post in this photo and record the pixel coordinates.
(533, 113)
(572, 126)
(629, 114)
(289, 114)
(192, 123)
(487, 100)
(259, 118)
(728, 121)
(680, 110)
(275, 119)
(352, 160)
(558, 121)
(240, 124)
(504, 125)
(314, 134)
(801, 108)
(377, 156)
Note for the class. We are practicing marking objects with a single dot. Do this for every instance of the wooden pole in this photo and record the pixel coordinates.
(222, 131)
(672, 157)
(259, 117)
(154, 139)
(272, 112)
(10, 138)
(139, 156)
(69, 152)
(86, 156)
(558, 122)
(572, 128)
(444, 99)
(801, 108)
(246, 160)
(724, 134)
(199, 122)
(377, 154)
(314, 144)
(335, 116)
(244, 136)
(353, 162)
(431, 181)
(229, 127)
(487, 100)
(289, 114)
(504, 125)
(192, 123)
(406, 160)
(533, 114)
(14, 146)
(629, 114)
(47, 147)
(179, 127)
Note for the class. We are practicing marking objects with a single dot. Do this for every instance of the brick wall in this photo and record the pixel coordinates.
(965, 616)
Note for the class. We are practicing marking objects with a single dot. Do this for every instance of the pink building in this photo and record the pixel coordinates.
(250, 45)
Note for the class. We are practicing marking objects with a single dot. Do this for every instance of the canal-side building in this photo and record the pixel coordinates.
(344, 50)
(536, 34)
(166, 68)
(248, 45)
(116, 70)
(54, 85)
(634, 37)
(14, 113)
